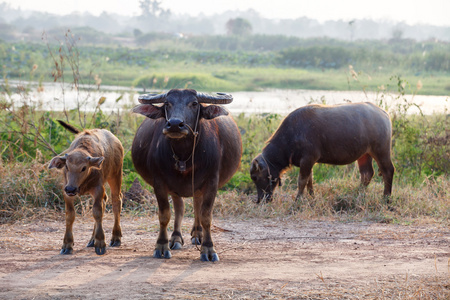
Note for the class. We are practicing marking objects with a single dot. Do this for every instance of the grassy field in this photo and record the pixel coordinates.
(30, 138)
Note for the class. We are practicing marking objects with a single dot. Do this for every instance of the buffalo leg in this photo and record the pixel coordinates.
(176, 240)
(207, 250)
(98, 209)
(365, 169)
(197, 231)
(67, 247)
(387, 170)
(162, 249)
(91, 242)
(305, 177)
(116, 198)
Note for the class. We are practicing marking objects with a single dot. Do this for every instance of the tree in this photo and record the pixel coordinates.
(152, 9)
(238, 26)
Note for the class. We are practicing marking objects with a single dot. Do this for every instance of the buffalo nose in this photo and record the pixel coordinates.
(70, 190)
(175, 124)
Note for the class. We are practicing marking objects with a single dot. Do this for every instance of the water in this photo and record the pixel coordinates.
(55, 97)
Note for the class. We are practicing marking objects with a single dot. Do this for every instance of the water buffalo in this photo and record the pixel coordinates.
(94, 158)
(336, 135)
(185, 148)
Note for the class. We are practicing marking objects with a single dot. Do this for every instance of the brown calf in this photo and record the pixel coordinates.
(94, 158)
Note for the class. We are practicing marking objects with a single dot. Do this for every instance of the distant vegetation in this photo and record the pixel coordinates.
(233, 62)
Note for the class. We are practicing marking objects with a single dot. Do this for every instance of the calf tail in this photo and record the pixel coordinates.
(69, 127)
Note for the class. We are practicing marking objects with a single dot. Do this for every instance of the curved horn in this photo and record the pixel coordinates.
(152, 98)
(221, 98)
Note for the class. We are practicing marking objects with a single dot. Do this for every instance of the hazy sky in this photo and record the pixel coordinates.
(434, 12)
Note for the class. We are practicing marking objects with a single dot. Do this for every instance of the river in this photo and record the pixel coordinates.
(57, 97)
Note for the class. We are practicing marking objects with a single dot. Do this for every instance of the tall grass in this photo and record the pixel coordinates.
(30, 137)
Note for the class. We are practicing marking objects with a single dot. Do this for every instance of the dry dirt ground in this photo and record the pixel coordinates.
(259, 258)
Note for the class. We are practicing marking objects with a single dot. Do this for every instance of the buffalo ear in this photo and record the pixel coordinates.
(255, 166)
(213, 111)
(57, 162)
(149, 110)
(96, 162)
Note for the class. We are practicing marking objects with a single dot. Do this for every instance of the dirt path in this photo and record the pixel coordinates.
(258, 259)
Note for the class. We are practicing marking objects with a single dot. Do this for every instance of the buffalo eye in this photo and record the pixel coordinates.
(194, 104)
(83, 169)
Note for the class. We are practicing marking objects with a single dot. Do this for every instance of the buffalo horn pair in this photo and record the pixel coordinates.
(221, 98)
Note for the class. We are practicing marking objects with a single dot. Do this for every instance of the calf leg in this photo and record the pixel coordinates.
(365, 169)
(91, 242)
(98, 209)
(67, 247)
(162, 243)
(176, 240)
(115, 184)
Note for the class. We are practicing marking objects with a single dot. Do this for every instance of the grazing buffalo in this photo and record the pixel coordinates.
(94, 158)
(336, 135)
(185, 148)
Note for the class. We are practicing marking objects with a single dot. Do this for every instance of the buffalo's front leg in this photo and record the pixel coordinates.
(176, 240)
(208, 253)
(98, 209)
(305, 177)
(67, 247)
(162, 249)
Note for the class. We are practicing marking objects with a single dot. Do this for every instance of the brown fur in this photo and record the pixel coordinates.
(94, 158)
(337, 135)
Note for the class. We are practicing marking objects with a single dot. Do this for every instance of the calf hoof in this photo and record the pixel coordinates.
(196, 241)
(175, 246)
(66, 251)
(90, 244)
(115, 243)
(158, 254)
(100, 250)
(212, 257)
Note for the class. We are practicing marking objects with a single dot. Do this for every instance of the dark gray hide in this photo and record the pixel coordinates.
(162, 154)
(336, 135)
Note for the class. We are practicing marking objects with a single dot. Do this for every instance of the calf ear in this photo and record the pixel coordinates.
(213, 111)
(96, 162)
(57, 162)
(149, 110)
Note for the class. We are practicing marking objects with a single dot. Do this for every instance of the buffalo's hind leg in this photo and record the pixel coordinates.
(98, 210)
(365, 169)
(92, 240)
(197, 231)
(176, 240)
(116, 198)
(162, 249)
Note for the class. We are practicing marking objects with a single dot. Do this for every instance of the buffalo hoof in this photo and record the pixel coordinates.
(100, 250)
(213, 257)
(90, 244)
(66, 251)
(158, 254)
(175, 246)
(115, 243)
(196, 241)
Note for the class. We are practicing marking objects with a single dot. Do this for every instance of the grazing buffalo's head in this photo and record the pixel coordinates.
(78, 165)
(182, 109)
(265, 178)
